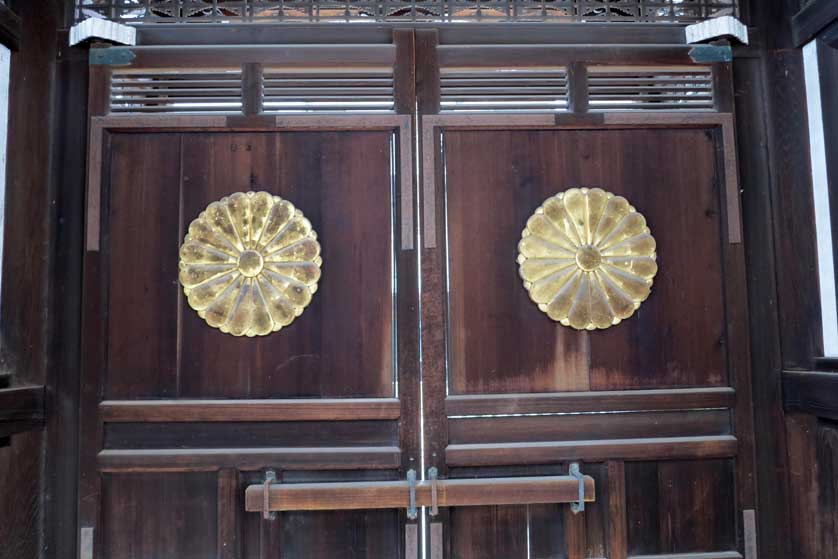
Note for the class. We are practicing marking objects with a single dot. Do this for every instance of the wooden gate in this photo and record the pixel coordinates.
(417, 165)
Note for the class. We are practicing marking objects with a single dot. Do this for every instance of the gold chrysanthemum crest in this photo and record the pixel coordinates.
(250, 264)
(587, 258)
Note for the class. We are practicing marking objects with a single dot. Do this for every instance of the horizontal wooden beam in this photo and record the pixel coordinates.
(560, 55)
(588, 426)
(816, 16)
(249, 459)
(343, 57)
(811, 392)
(10, 28)
(339, 409)
(710, 555)
(396, 494)
(570, 402)
(382, 33)
(658, 448)
(21, 409)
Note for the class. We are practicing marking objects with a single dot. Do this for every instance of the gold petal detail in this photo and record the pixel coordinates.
(250, 264)
(587, 258)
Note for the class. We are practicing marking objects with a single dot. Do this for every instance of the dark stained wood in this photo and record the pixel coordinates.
(574, 528)
(567, 402)
(186, 460)
(662, 448)
(166, 515)
(338, 535)
(194, 434)
(827, 438)
(20, 505)
(21, 409)
(346, 409)
(793, 213)
(811, 392)
(598, 514)
(577, 79)
(62, 428)
(805, 526)
(380, 33)
(497, 348)
(10, 28)
(551, 55)
(287, 56)
(815, 16)
(754, 126)
(252, 88)
(395, 494)
(229, 497)
(28, 262)
(680, 507)
(478, 531)
(141, 249)
(617, 519)
(341, 346)
(588, 426)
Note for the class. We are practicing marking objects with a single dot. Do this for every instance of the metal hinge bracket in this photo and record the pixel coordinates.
(576, 472)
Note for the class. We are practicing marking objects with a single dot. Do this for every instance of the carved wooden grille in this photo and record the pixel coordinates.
(221, 11)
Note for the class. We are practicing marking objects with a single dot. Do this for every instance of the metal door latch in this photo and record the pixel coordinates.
(576, 472)
(270, 477)
(433, 475)
(412, 513)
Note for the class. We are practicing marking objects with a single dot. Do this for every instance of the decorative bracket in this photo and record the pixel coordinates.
(576, 472)
(716, 28)
(97, 28)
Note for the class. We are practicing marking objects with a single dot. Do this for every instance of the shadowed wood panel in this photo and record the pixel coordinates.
(341, 345)
(369, 534)
(501, 342)
(250, 435)
(680, 507)
(160, 516)
(547, 531)
(479, 532)
(142, 242)
(828, 483)
(589, 426)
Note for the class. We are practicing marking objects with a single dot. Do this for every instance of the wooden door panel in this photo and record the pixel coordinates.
(342, 344)
(499, 340)
(143, 293)
(165, 468)
(160, 516)
(680, 507)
